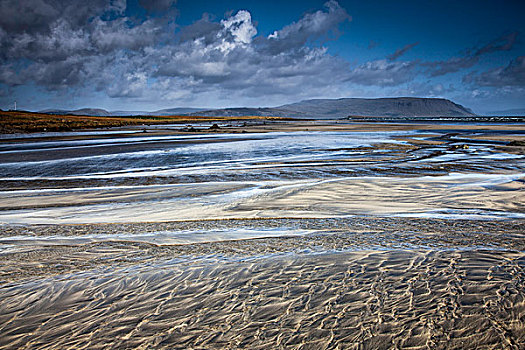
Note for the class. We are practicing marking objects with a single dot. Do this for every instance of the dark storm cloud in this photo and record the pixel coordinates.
(511, 75)
(9, 75)
(400, 52)
(70, 72)
(37, 16)
(27, 16)
(94, 46)
(57, 44)
(67, 44)
(62, 37)
(455, 64)
(107, 36)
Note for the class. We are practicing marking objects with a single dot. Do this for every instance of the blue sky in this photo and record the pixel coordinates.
(148, 55)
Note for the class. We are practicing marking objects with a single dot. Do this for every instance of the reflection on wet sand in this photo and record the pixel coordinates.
(352, 236)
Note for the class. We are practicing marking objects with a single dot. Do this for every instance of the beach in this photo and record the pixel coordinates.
(264, 234)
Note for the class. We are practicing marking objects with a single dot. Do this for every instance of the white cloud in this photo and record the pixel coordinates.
(241, 27)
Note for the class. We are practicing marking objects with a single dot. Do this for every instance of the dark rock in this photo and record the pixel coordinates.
(189, 129)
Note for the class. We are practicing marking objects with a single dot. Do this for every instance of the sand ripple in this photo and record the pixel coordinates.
(366, 299)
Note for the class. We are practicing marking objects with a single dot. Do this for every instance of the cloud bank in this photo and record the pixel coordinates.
(73, 45)
(102, 48)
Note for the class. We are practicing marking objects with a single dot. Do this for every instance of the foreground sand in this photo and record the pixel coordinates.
(365, 299)
(373, 283)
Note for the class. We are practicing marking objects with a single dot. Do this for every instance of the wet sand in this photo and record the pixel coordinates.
(370, 299)
(365, 236)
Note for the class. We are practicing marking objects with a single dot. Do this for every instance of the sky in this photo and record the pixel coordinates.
(149, 55)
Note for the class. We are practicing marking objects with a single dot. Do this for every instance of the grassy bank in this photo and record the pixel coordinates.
(21, 121)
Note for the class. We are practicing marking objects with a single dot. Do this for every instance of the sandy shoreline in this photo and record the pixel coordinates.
(296, 235)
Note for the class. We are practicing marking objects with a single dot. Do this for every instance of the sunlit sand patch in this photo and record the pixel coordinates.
(394, 196)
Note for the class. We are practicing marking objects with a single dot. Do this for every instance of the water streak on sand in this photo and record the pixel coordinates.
(157, 238)
(457, 194)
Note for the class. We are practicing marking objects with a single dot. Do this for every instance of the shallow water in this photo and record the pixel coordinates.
(168, 176)
(282, 239)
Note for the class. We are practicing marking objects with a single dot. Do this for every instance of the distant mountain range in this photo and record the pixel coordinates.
(98, 112)
(313, 109)
(84, 111)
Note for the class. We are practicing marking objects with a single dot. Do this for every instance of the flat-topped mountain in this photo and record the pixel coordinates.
(389, 107)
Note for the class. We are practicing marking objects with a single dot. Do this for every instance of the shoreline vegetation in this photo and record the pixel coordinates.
(27, 122)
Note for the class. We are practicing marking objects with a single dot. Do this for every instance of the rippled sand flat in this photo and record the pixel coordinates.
(372, 299)
(328, 283)
(349, 236)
